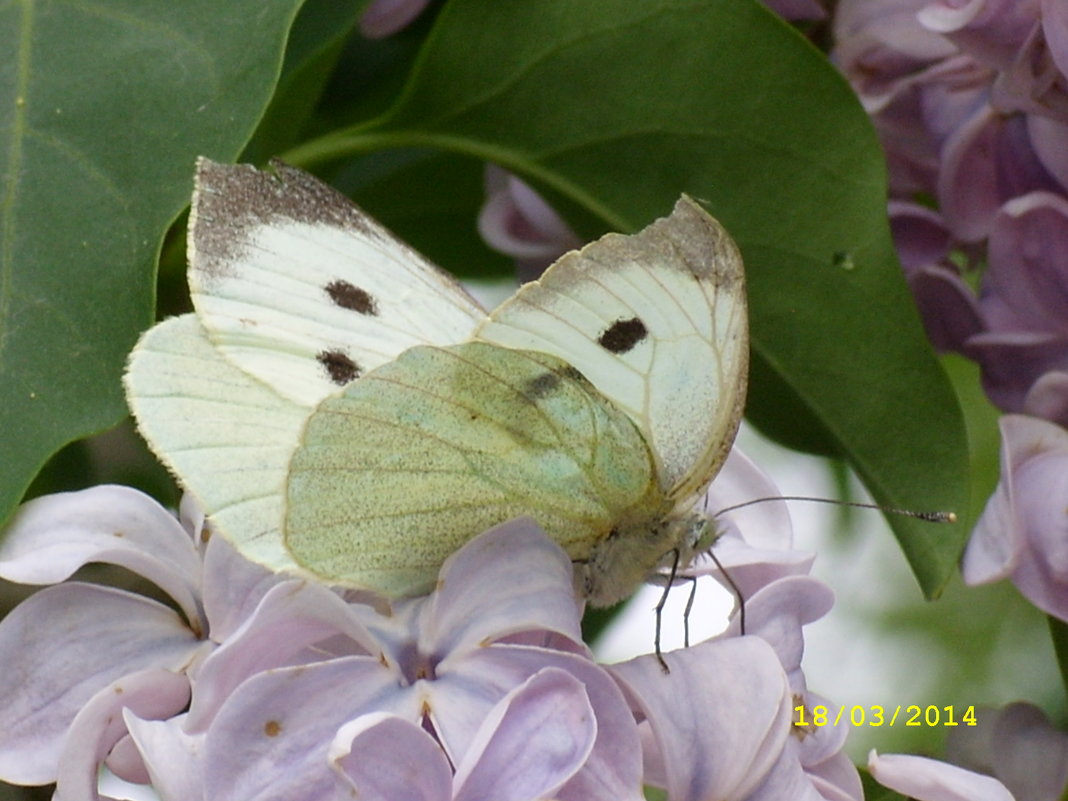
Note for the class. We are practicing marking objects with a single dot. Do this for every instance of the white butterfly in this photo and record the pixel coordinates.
(601, 400)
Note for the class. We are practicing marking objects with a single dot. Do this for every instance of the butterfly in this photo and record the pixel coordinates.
(344, 410)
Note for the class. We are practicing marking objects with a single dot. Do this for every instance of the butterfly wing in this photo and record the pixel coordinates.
(227, 436)
(296, 292)
(301, 289)
(657, 322)
(405, 465)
